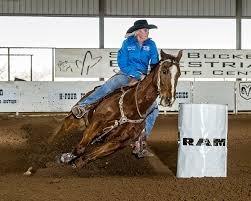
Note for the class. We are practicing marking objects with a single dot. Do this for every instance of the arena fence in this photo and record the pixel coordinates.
(61, 96)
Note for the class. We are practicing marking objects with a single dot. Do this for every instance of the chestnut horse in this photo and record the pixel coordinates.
(119, 117)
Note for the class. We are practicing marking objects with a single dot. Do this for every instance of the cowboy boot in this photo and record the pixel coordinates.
(79, 111)
(137, 146)
(144, 151)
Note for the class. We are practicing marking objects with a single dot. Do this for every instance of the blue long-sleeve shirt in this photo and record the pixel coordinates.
(133, 59)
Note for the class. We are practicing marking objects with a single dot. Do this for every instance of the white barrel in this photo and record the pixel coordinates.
(202, 140)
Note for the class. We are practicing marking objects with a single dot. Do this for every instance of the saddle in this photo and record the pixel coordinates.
(91, 108)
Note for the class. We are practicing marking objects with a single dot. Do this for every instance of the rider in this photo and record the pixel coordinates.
(134, 57)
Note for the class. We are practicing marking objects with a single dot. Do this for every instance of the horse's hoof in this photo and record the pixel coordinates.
(58, 159)
(67, 158)
(139, 156)
(28, 172)
(78, 163)
(74, 166)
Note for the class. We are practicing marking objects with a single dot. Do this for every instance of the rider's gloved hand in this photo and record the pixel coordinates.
(133, 81)
(142, 77)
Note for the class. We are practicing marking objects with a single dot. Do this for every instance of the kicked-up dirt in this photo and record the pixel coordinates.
(23, 143)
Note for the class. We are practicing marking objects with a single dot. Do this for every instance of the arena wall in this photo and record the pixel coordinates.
(61, 96)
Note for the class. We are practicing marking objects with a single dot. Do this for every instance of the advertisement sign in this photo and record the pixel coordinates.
(52, 96)
(83, 63)
(9, 96)
(243, 96)
(102, 63)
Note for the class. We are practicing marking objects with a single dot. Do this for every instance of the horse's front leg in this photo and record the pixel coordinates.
(89, 134)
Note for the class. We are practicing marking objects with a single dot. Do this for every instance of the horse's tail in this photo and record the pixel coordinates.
(59, 128)
(58, 120)
(69, 124)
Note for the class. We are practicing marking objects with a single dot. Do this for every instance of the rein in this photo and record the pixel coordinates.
(136, 101)
(123, 119)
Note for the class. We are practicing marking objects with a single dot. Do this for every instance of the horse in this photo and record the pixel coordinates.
(118, 119)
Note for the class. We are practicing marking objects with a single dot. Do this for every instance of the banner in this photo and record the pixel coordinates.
(85, 63)
(102, 63)
(52, 96)
(9, 96)
(243, 96)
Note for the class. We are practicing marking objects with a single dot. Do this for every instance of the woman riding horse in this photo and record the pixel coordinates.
(136, 53)
(119, 117)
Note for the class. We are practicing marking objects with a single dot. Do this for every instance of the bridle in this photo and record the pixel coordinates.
(159, 70)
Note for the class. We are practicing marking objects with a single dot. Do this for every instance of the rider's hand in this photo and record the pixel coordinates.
(142, 77)
(133, 81)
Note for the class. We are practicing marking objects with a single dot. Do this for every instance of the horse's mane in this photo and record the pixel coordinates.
(153, 66)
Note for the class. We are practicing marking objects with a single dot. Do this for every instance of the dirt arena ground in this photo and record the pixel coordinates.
(117, 177)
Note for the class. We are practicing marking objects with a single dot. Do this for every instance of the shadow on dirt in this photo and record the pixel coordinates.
(167, 152)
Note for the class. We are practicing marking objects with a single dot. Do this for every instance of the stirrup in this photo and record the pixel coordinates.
(78, 111)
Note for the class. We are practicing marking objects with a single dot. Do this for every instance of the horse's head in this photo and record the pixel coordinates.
(169, 72)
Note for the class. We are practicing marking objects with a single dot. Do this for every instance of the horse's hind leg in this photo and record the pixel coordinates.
(118, 139)
(89, 134)
(99, 152)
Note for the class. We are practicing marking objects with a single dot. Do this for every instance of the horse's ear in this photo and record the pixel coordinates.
(162, 54)
(179, 56)
(166, 56)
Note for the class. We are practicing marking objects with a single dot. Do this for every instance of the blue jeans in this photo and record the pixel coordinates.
(115, 82)
(153, 111)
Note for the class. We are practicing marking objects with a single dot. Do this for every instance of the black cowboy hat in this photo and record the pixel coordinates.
(140, 24)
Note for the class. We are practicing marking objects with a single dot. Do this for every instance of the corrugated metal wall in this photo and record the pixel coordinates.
(186, 8)
(49, 7)
(246, 8)
(171, 7)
